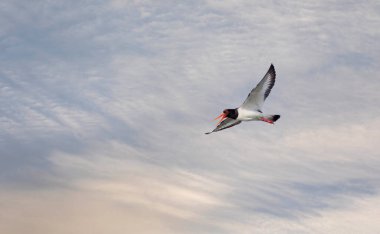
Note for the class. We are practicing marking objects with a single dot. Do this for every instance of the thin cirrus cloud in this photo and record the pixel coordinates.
(104, 105)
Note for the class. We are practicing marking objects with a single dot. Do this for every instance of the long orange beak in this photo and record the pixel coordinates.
(222, 117)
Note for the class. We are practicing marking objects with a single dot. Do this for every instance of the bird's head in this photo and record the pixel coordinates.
(226, 113)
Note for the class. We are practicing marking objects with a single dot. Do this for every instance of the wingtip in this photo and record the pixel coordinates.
(272, 70)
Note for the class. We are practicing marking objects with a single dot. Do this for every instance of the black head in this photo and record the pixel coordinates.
(231, 113)
(227, 113)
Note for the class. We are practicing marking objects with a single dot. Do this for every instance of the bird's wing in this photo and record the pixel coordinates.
(257, 96)
(226, 123)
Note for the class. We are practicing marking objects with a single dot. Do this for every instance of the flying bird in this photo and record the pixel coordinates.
(250, 110)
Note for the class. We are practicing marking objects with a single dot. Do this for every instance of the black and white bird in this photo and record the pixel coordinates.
(250, 110)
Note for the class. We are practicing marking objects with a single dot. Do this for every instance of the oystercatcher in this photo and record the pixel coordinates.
(250, 110)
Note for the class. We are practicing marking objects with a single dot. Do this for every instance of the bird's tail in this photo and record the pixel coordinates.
(273, 118)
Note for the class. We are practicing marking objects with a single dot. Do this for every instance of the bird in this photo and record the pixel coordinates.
(250, 110)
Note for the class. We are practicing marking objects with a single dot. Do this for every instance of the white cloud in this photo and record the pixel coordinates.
(104, 106)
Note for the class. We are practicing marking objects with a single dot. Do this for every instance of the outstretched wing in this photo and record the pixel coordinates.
(257, 96)
(226, 123)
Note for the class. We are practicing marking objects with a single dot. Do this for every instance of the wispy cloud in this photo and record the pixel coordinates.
(104, 104)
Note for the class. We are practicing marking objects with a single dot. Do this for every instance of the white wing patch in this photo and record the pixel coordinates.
(257, 96)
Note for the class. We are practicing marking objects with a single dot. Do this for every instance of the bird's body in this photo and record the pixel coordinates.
(250, 110)
(248, 115)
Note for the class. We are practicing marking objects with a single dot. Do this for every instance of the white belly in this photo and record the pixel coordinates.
(248, 115)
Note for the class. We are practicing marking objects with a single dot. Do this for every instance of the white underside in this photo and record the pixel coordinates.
(248, 115)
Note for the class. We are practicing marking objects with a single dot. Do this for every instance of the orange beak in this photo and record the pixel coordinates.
(222, 117)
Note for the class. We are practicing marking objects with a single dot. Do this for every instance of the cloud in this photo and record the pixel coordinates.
(103, 108)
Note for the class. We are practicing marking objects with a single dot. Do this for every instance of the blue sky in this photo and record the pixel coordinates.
(104, 104)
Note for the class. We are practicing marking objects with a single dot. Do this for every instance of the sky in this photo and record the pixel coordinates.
(104, 106)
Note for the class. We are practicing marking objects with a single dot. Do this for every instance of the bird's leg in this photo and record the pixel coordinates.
(266, 120)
